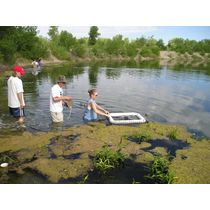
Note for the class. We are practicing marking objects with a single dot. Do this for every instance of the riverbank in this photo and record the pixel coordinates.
(165, 58)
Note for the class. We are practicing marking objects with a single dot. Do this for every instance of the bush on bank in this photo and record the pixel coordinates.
(18, 41)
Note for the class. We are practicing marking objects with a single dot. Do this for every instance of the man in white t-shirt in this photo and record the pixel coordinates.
(56, 97)
(15, 94)
(35, 64)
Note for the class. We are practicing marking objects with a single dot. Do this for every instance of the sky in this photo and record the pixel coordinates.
(132, 19)
(165, 33)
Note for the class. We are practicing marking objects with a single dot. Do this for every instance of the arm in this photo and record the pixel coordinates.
(20, 99)
(55, 99)
(92, 104)
(98, 107)
(61, 98)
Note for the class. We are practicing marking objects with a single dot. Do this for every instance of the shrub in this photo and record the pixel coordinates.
(145, 52)
(190, 52)
(202, 53)
(60, 52)
(155, 50)
(131, 49)
(79, 50)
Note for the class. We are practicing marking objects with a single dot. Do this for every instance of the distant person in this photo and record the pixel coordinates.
(15, 94)
(92, 109)
(35, 64)
(39, 62)
(56, 97)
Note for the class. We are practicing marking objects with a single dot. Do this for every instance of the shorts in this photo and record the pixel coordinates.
(57, 116)
(17, 112)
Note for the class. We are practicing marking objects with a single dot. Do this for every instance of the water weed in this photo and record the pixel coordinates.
(141, 136)
(134, 182)
(105, 159)
(159, 170)
(83, 181)
(173, 134)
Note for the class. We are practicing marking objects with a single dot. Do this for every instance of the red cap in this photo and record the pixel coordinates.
(19, 69)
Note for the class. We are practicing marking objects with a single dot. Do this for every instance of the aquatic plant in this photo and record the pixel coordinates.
(83, 181)
(126, 136)
(105, 159)
(159, 170)
(198, 138)
(5, 157)
(141, 136)
(134, 182)
(173, 134)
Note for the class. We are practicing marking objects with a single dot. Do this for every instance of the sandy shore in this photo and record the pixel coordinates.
(164, 58)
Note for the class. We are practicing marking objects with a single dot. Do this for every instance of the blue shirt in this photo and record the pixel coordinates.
(89, 114)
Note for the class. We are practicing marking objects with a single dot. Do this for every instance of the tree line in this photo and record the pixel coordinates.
(24, 42)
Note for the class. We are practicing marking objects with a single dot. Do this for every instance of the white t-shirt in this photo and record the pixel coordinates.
(15, 86)
(34, 63)
(56, 91)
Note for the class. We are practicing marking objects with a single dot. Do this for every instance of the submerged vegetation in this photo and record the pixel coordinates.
(24, 42)
(78, 151)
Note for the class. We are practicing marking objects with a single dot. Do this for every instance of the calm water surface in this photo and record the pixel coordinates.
(168, 94)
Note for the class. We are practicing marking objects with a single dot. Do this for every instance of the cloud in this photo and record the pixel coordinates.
(105, 31)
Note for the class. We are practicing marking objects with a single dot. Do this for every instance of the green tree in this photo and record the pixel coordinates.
(151, 41)
(93, 34)
(140, 42)
(53, 32)
(131, 49)
(176, 43)
(160, 44)
(66, 40)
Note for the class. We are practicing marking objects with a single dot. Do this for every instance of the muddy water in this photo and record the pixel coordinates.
(44, 152)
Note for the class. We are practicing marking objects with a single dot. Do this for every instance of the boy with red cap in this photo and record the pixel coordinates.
(15, 94)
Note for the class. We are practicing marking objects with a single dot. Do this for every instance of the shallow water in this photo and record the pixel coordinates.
(168, 94)
(176, 95)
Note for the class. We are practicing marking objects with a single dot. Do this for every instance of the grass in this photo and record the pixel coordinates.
(159, 170)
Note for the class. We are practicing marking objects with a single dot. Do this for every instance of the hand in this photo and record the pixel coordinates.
(107, 115)
(106, 112)
(68, 98)
(21, 106)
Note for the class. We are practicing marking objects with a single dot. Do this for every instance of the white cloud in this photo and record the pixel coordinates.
(105, 31)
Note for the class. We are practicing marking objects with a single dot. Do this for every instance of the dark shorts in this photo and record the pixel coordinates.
(17, 112)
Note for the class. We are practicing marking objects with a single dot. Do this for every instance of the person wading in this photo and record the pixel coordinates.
(56, 97)
(15, 94)
(92, 109)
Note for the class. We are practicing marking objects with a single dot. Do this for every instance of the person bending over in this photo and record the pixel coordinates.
(92, 109)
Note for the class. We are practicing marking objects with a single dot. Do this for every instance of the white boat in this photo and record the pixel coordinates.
(124, 118)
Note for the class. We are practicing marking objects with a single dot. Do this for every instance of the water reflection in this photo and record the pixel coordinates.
(174, 94)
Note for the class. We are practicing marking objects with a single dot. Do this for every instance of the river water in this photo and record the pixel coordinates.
(177, 94)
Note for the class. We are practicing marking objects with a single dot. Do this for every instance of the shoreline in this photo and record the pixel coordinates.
(165, 58)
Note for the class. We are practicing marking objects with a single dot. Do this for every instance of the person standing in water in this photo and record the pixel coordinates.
(39, 62)
(56, 97)
(15, 94)
(92, 109)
